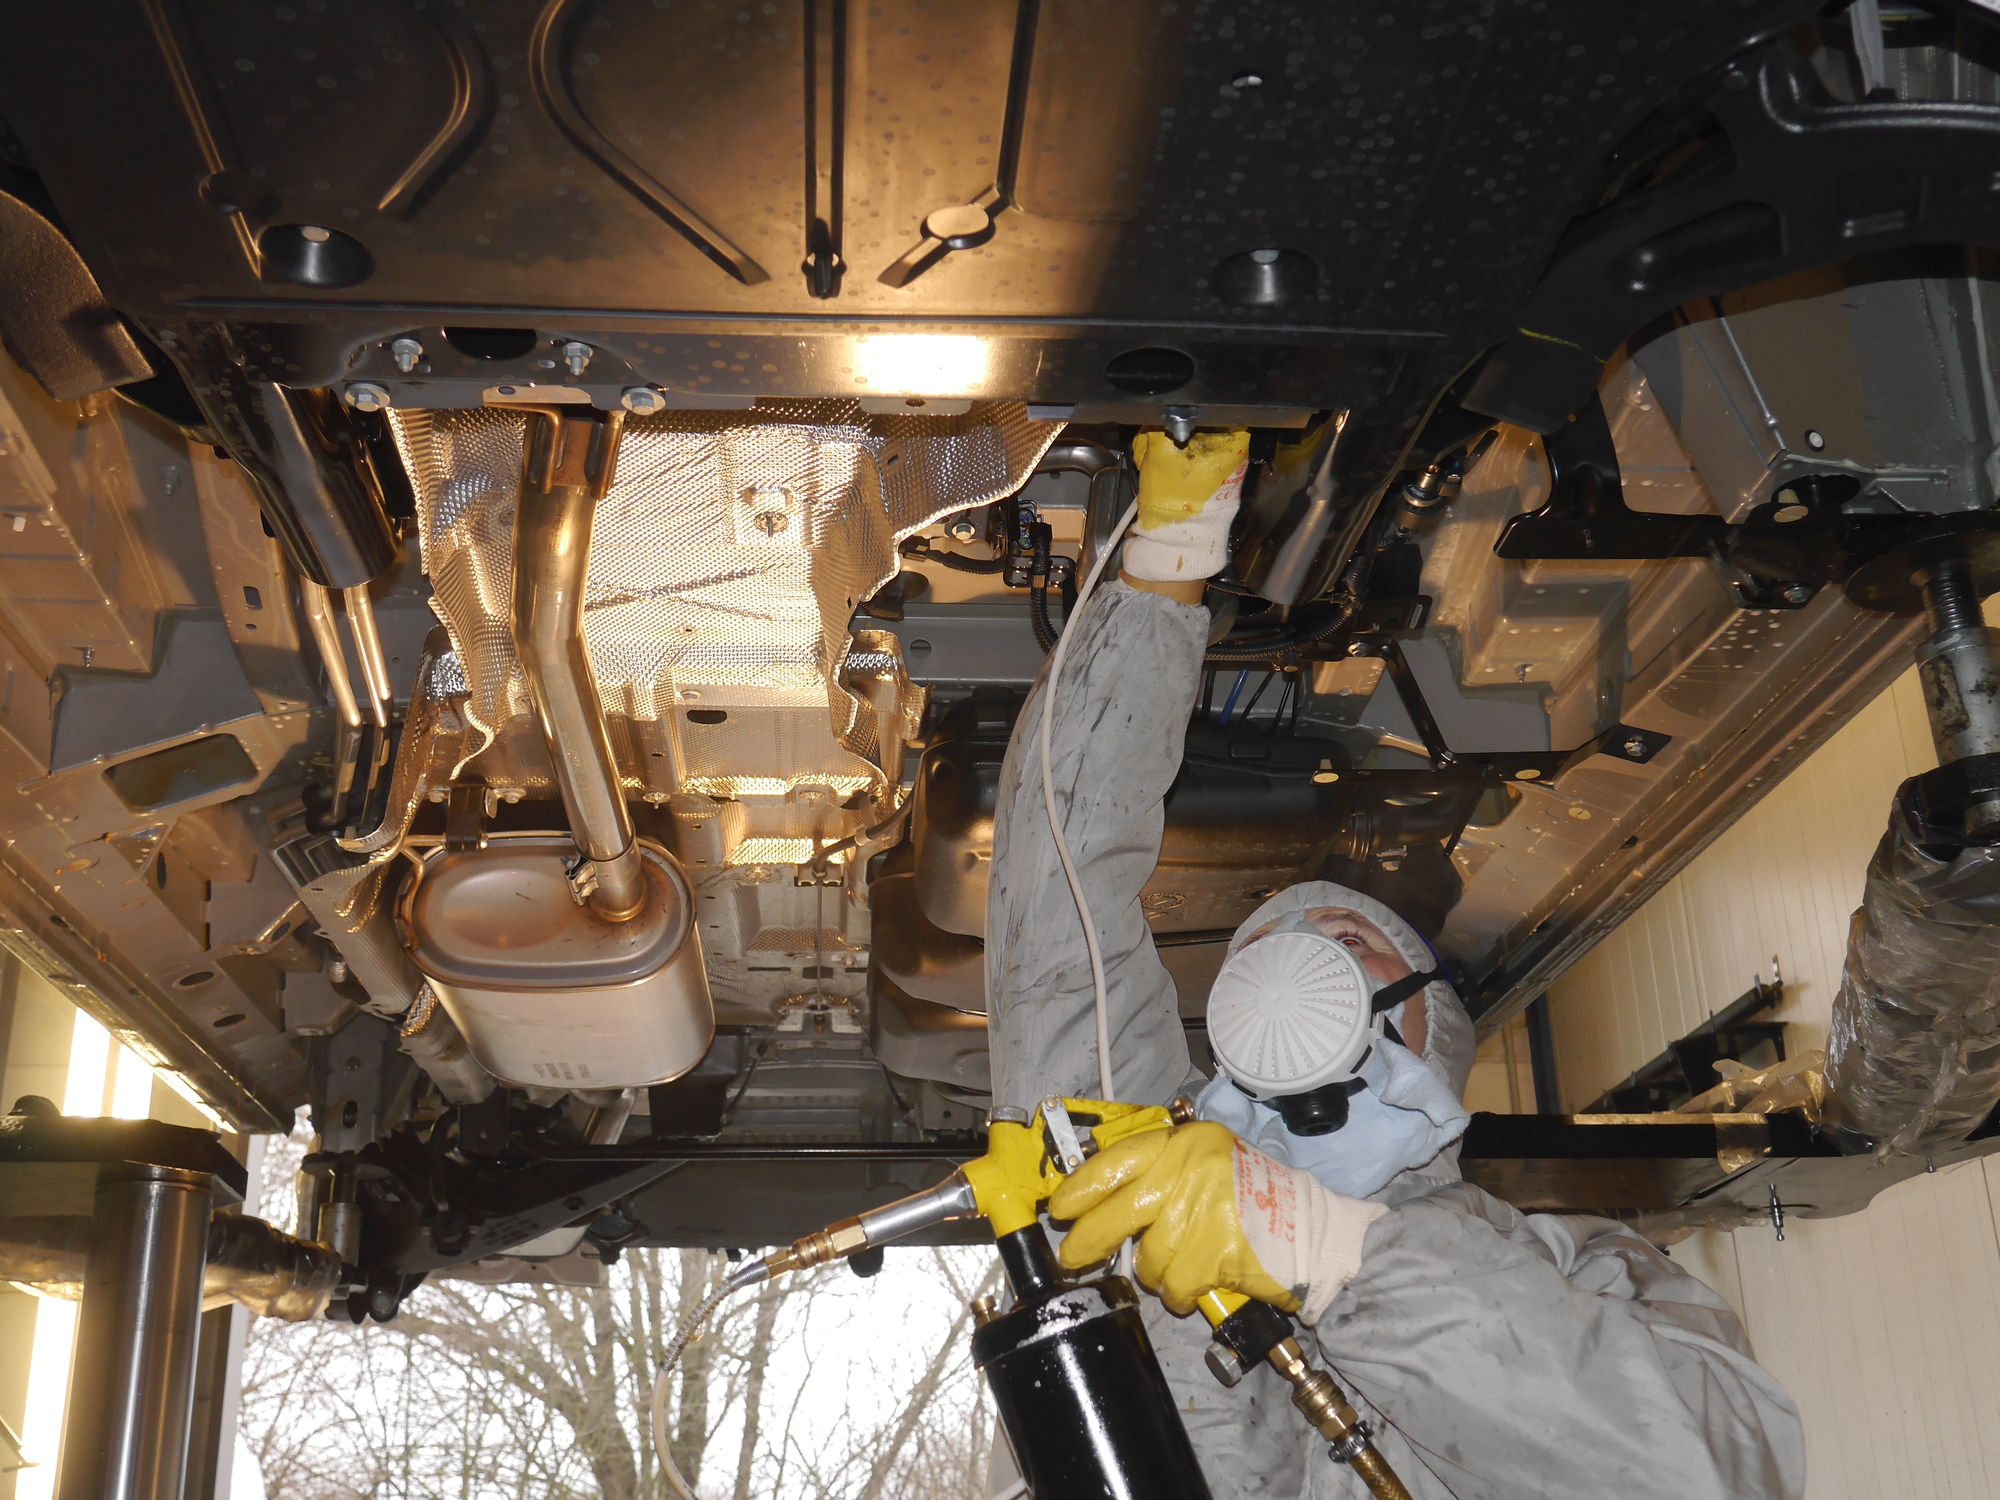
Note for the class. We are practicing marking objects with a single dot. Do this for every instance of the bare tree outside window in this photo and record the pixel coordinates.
(822, 1386)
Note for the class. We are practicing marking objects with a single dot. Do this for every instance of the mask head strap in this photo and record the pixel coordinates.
(1392, 995)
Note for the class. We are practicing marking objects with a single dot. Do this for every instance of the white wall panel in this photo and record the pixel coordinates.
(1882, 1324)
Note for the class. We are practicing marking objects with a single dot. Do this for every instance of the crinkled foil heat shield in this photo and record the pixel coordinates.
(725, 567)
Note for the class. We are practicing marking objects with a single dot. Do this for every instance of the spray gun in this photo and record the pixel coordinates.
(1072, 1372)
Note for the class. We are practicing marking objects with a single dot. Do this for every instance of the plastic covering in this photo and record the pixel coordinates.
(1797, 1083)
(249, 1262)
(1914, 1056)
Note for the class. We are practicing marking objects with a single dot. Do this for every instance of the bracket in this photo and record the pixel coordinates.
(1783, 553)
(1621, 741)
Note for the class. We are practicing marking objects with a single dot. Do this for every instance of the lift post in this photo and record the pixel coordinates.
(148, 1192)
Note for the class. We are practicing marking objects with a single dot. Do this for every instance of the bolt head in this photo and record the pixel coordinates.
(964, 531)
(642, 400)
(1796, 593)
(1635, 747)
(406, 352)
(576, 355)
(366, 395)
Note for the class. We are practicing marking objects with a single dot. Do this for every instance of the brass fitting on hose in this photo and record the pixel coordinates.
(1322, 1403)
(835, 1242)
(951, 1199)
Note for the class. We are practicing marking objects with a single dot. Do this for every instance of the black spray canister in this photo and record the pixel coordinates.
(1078, 1388)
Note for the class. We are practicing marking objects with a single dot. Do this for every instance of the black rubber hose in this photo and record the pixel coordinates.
(1242, 653)
(958, 562)
(1038, 613)
(1238, 653)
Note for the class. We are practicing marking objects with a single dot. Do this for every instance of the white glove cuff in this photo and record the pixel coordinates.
(1196, 546)
(1179, 551)
(1306, 1237)
(1336, 1227)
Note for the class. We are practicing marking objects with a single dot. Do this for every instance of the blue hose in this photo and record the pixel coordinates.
(1229, 703)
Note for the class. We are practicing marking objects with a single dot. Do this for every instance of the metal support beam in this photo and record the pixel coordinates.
(126, 1437)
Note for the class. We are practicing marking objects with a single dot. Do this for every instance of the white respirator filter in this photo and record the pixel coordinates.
(1289, 1013)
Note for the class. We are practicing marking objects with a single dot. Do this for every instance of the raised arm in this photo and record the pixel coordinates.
(1128, 688)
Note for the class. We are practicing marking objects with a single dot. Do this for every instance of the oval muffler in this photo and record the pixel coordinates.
(547, 993)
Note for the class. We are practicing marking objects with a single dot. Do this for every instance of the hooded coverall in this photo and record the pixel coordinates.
(1495, 1353)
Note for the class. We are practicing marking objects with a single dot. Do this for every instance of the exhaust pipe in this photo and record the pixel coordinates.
(568, 465)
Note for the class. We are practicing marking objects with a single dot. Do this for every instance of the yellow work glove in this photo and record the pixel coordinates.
(1187, 501)
(1211, 1212)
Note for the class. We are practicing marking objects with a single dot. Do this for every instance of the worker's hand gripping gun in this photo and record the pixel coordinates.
(1073, 1374)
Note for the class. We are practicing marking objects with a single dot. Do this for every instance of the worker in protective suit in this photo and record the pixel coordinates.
(1494, 1353)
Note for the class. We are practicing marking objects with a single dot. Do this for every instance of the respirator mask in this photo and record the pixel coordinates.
(1292, 1019)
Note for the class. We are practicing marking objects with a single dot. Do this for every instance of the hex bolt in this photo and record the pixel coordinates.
(964, 529)
(1635, 747)
(366, 395)
(407, 351)
(1796, 593)
(576, 355)
(641, 400)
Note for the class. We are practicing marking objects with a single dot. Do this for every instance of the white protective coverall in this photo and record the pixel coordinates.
(1495, 1353)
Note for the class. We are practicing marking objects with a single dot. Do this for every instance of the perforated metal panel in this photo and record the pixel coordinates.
(725, 567)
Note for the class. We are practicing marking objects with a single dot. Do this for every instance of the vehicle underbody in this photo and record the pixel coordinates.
(436, 437)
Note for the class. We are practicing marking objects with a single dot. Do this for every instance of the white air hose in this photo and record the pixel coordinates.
(1104, 555)
(750, 1273)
